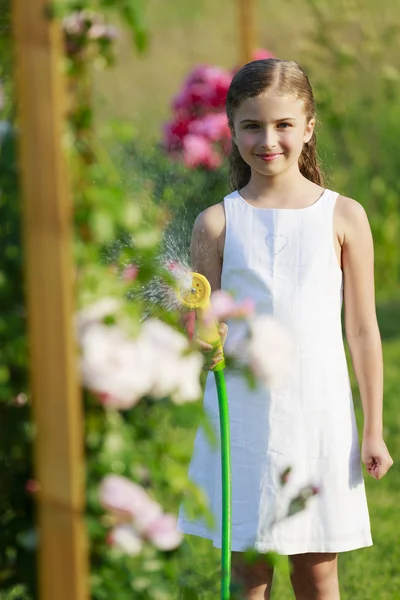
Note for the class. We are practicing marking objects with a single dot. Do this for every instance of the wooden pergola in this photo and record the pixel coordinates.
(47, 229)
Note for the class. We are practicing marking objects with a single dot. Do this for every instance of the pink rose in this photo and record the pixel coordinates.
(223, 307)
(163, 533)
(125, 498)
(213, 126)
(205, 87)
(199, 152)
(175, 132)
(262, 54)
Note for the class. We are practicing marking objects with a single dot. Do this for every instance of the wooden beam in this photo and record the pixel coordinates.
(247, 29)
(47, 216)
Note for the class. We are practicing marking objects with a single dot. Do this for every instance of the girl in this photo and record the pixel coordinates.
(296, 249)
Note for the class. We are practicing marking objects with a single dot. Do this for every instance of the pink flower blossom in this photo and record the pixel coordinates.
(213, 126)
(102, 31)
(269, 350)
(32, 486)
(199, 152)
(177, 373)
(175, 132)
(223, 307)
(206, 87)
(140, 517)
(125, 538)
(115, 368)
(96, 313)
(130, 272)
(163, 533)
(20, 400)
(127, 500)
(74, 23)
(262, 54)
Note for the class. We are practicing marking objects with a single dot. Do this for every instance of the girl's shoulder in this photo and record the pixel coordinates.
(350, 217)
(349, 210)
(211, 221)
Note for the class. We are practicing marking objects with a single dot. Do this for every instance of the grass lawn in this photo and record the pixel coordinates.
(370, 573)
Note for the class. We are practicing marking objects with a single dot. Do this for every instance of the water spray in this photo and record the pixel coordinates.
(197, 298)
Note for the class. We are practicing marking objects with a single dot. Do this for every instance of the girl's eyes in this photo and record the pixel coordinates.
(282, 125)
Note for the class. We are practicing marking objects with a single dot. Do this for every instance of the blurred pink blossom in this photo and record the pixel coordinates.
(126, 499)
(96, 313)
(141, 517)
(269, 350)
(74, 23)
(115, 367)
(130, 272)
(177, 373)
(163, 533)
(199, 152)
(213, 126)
(125, 538)
(120, 370)
(32, 486)
(102, 31)
(223, 307)
(175, 132)
(20, 399)
(206, 87)
(262, 54)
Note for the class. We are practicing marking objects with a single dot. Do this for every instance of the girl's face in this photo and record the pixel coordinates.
(270, 131)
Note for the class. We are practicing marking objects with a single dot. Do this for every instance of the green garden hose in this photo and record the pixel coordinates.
(198, 298)
(226, 541)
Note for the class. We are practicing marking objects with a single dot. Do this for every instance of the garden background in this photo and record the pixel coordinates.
(349, 48)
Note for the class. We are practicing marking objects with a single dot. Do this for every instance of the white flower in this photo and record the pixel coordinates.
(269, 350)
(114, 366)
(188, 388)
(120, 370)
(97, 312)
(163, 533)
(125, 538)
(177, 373)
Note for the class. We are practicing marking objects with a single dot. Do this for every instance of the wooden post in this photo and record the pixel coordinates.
(247, 29)
(47, 215)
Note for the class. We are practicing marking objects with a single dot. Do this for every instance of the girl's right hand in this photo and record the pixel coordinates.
(213, 356)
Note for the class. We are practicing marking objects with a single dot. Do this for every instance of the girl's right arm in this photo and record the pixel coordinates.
(206, 252)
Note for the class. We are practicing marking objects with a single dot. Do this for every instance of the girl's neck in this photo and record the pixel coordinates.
(290, 187)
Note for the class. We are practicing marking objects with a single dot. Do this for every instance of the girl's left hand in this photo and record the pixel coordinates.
(375, 456)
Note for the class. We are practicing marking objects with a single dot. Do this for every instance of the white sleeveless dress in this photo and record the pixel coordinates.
(284, 259)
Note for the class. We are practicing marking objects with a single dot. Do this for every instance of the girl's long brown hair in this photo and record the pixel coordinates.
(285, 77)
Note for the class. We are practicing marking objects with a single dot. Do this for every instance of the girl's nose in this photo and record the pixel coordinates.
(268, 138)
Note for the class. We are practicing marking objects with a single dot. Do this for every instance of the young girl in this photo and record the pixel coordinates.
(296, 249)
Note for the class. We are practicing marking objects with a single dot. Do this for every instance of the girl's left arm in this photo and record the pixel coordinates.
(362, 331)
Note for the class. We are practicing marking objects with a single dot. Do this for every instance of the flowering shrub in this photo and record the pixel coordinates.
(120, 370)
(199, 131)
(84, 28)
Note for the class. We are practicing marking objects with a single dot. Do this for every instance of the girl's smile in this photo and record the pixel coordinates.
(269, 157)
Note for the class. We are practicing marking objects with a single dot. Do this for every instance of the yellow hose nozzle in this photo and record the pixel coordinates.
(198, 298)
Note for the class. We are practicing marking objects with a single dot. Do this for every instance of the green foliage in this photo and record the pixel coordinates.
(357, 93)
(16, 507)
